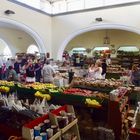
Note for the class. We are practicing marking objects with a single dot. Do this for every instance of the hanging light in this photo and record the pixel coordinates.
(106, 38)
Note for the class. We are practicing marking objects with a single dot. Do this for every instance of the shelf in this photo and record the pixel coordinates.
(123, 105)
(66, 128)
(125, 115)
(57, 135)
(119, 98)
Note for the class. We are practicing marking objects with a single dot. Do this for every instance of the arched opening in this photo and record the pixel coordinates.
(32, 49)
(5, 51)
(95, 27)
(14, 24)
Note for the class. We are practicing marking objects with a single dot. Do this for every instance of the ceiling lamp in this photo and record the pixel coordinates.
(99, 19)
(106, 38)
(8, 12)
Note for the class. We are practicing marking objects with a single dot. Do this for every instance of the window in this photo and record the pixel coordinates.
(45, 6)
(73, 5)
(93, 3)
(59, 6)
(32, 49)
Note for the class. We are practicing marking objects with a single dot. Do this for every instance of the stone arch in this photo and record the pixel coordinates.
(27, 29)
(99, 26)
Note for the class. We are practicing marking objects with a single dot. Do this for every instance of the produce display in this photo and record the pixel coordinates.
(118, 93)
(4, 89)
(92, 102)
(38, 86)
(6, 83)
(115, 69)
(40, 94)
(86, 93)
(77, 91)
(108, 83)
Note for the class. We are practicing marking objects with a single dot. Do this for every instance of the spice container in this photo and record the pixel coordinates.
(47, 123)
(55, 128)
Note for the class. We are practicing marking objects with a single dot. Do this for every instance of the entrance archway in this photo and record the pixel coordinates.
(25, 28)
(99, 26)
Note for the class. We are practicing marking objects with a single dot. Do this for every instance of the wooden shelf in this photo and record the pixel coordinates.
(123, 105)
(66, 128)
(125, 116)
(115, 113)
(119, 98)
(55, 136)
(27, 132)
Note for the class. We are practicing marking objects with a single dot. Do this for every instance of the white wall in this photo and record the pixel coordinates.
(56, 30)
(38, 22)
(64, 26)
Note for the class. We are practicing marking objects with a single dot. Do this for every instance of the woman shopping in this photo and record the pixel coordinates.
(95, 71)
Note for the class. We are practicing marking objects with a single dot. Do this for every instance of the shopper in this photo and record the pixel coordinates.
(98, 70)
(8, 63)
(12, 75)
(48, 73)
(104, 68)
(3, 71)
(91, 71)
(30, 72)
(108, 60)
(38, 68)
(17, 67)
(135, 76)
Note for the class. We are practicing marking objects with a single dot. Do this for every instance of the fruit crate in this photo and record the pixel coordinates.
(25, 93)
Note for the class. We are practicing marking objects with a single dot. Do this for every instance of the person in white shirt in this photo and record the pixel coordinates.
(108, 60)
(98, 71)
(48, 73)
(91, 71)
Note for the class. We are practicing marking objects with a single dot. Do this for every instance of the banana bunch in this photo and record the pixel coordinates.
(4, 89)
(53, 90)
(92, 102)
(50, 86)
(39, 94)
(41, 86)
(3, 82)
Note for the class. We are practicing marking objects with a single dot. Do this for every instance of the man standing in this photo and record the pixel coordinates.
(48, 73)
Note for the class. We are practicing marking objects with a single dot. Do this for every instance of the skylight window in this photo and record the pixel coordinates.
(62, 6)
